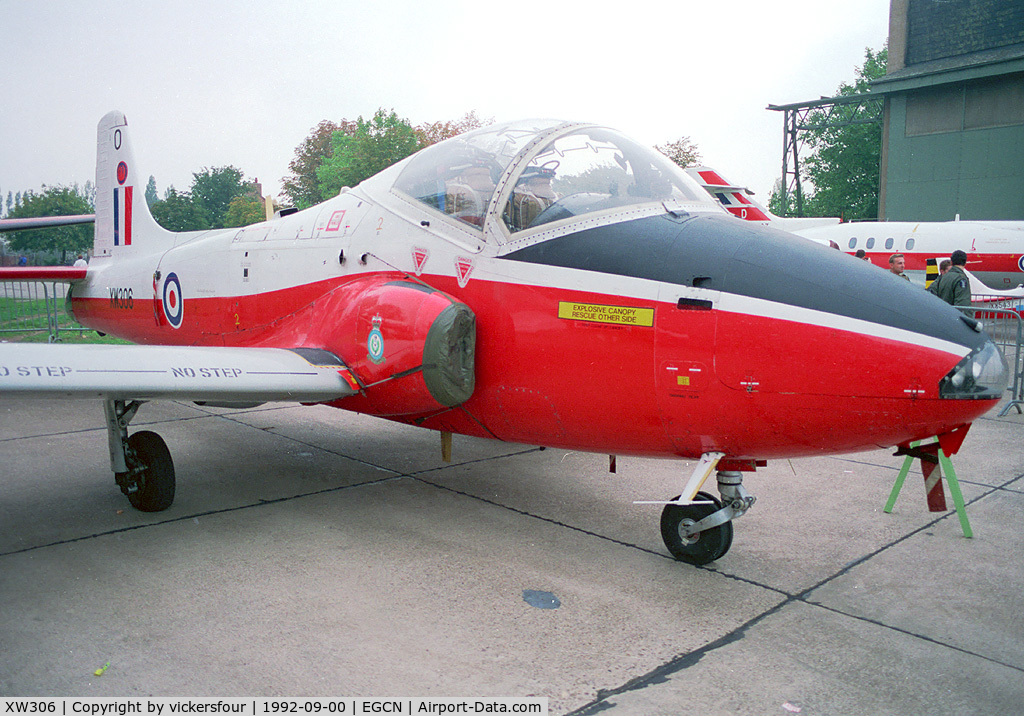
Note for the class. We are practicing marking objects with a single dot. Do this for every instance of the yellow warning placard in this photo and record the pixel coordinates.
(619, 315)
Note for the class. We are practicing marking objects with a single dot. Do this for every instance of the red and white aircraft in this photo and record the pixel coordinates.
(995, 249)
(537, 282)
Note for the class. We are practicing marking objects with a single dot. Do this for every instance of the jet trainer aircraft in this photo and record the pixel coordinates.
(538, 282)
(995, 249)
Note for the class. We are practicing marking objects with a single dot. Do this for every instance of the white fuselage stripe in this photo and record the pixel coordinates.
(574, 279)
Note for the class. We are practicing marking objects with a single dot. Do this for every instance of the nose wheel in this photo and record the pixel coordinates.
(696, 526)
(701, 547)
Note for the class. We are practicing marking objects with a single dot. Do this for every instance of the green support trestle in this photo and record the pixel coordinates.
(948, 474)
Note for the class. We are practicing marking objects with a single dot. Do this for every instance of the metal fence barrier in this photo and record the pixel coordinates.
(1001, 318)
(35, 307)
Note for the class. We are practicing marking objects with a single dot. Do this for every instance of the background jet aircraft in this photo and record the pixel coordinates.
(539, 282)
(995, 249)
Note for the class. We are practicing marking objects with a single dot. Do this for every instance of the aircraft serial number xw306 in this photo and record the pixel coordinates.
(538, 282)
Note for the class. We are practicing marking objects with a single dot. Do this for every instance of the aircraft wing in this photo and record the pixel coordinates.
(135, 372)
(42, 273)
(989, 294)
(42, 222)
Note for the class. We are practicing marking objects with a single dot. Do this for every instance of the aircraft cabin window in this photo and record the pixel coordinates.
(910, 244)
(853, 242)
(871, 243)
(593, 169)
(888, 243)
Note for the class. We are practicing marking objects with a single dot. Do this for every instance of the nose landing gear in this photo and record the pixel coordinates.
(696, 526)
(684, 541)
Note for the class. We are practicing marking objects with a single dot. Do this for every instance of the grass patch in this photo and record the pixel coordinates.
(26, 320)
(85, 336)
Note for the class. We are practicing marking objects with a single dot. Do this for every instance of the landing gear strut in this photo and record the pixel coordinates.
(142, 464)
(697, 527)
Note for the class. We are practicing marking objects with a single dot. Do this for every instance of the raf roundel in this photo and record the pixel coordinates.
(1020, 262)
(122, 173)
(174, 306)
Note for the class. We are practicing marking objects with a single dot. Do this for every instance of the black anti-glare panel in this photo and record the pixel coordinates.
(733, 256)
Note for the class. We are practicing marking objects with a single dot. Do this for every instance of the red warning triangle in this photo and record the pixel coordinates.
(419, 259)
(463, 267)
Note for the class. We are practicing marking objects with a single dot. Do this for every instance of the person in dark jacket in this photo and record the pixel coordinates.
(954, 287)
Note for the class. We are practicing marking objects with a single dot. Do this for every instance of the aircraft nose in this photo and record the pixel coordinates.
(982, 374)
(820, 352)
(858, 356)
(873, 302)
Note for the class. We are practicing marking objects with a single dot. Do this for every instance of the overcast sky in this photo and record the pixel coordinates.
(207, 83)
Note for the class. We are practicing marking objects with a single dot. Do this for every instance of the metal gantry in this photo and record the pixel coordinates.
(819, 114)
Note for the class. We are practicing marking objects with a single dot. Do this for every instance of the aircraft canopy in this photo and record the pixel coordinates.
(532, 173)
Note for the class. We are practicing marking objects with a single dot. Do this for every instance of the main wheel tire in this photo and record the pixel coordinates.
(705, 546)
(155, 482)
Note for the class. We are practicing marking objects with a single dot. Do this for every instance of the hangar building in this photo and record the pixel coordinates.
(953, 128)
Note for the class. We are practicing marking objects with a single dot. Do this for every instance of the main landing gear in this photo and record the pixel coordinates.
(142, 464)
(697, 527)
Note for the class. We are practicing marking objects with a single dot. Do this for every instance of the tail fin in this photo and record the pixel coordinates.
(739, 201)
(735, 199)
(123, 222)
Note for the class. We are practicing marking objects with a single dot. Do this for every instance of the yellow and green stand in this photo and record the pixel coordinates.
(932, 451)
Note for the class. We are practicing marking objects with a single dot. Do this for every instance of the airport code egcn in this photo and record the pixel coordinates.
(166, 706)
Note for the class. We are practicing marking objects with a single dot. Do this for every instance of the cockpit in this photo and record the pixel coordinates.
(524, 175)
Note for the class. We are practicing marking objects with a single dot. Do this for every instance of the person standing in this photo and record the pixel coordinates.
(954, 287)
(897, 264)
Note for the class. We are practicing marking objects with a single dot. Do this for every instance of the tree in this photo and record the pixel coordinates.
(376, 144)
(844, 165)
(53, 201)
(439, 131)
(151, 196)
(206, 204)
(244, 210)
(178, 212)
(302, 187)
(776, 205)
(682, 151)
(213, 190)
(88, 192)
